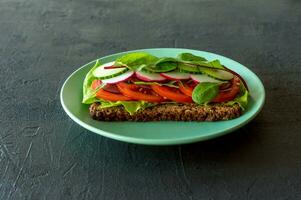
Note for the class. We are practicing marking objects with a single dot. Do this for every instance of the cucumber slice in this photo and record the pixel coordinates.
(189, 68)
(102, 73)
(217, 73)
(201, 78)
(123, 77)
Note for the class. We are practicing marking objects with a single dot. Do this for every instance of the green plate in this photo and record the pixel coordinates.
(165, 132)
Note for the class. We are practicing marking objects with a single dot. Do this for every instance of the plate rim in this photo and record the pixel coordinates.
(174, 141)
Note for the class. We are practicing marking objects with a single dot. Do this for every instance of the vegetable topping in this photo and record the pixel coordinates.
(141, 77)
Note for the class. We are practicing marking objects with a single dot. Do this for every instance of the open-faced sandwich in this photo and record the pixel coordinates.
(142, 87)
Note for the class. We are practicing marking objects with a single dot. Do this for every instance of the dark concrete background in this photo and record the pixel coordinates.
(45, 155)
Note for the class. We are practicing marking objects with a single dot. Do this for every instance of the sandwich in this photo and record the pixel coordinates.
(142, 87)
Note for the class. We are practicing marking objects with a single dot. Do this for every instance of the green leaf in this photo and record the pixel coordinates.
(242, 99)
(135, 60)
(205, 92)
(130, 106)
(190, 57)
(92, 99)
(164, 64)
(215, 64)
(88, 92)
(199, 61)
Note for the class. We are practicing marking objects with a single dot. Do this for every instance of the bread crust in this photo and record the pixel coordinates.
(167, 112)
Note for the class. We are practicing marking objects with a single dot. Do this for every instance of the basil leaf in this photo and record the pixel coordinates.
(190, 57)
(88, 92)
(130, 106)
(205, 92)
(135, 60)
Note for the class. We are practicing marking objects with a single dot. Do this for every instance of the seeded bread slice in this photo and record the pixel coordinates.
(167, 112)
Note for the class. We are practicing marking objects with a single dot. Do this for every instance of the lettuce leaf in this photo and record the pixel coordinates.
(242, 99)
(88, 92)
(130, 106)
(134, 60)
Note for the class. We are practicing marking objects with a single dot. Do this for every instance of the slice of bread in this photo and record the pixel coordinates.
(167, 112)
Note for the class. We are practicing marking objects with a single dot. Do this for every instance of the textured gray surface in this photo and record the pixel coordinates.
(44, 155)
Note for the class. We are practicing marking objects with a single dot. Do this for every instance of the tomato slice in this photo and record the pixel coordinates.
(105, 95)
(228, 94)
(139, 93)
(95, 84)
(236, 74)
(102, 94)
(186, 89)
(172, 94)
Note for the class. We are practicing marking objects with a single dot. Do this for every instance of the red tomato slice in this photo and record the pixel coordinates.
(105, 95)
(172, 94)
(229, 94)
(186, 89)
(102, 94)
(138, 93)
(95, 84)
(236, 74)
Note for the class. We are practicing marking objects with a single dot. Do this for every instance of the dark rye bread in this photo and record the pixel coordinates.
(167, 112)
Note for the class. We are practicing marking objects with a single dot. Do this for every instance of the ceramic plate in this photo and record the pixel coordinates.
(165, 132)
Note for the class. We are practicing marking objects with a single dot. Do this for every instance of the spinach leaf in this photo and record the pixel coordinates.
(130, 106)
(205, 92)
(215, 64)
(190, 57)
(135, 60)
(199, 61)
(212, 64)
(164, 64)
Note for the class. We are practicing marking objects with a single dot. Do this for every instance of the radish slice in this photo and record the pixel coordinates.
(119, 78)
(106, 71)
(201, 78)
(176, 75)
(144, 76)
